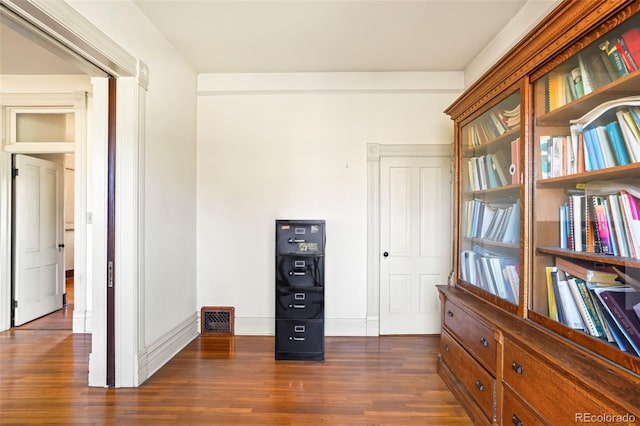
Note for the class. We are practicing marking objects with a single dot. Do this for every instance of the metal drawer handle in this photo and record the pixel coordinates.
(479, 385)
(299, 296)
(484, 342)
(449, 313)
(299, 329)
(295, 240)
(297, 306)
(516, 367)
(297, 339)
(292, 273)
(515, 420)
(446, 347)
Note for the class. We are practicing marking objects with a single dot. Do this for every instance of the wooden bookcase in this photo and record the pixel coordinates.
(536, 143)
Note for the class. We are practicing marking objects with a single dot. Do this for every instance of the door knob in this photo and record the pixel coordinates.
(385, 254)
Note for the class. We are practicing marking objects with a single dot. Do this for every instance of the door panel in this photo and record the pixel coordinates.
(415, 230)
(38, 229)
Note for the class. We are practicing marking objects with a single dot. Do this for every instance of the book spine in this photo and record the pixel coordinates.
(586, 296)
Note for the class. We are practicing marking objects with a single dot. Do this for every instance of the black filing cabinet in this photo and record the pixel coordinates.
(299, 277)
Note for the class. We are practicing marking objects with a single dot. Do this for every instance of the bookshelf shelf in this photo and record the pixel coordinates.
(627, 171)
(550, 294)
(593, 257)
(505, 191)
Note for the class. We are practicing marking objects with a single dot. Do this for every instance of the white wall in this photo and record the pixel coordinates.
(170, 179)
(280, 146)
(528, 17)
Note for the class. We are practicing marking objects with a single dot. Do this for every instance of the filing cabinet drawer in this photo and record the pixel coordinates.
(475, 379)
(300, 271)
(517, 413)
(546, 388)
(300, 237)
(474, 335)
(299, 336)
(299, 303)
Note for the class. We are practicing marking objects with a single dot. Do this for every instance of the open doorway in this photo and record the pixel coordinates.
(38, 77)
(43, 241)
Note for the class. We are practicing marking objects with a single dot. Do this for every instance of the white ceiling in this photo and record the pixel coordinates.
(304, 35)
(329, 35)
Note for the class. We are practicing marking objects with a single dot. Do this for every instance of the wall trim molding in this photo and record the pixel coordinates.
(158, 353)
(214, 84)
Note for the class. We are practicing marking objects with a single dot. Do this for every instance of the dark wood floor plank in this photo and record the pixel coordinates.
(230, 381)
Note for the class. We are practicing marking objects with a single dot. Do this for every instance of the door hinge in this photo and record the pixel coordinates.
(14, 172)
(15, 304)
(110, 273)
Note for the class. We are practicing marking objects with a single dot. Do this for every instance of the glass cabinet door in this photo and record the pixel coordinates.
(490, 206)
(586, 193)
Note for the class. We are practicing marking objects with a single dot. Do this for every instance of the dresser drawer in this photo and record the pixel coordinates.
(517, 413)
(475, 336)
(548, 390)
(475, 379)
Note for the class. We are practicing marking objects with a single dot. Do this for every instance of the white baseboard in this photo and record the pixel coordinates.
(158, 353)
(82, 321)
(373, 326)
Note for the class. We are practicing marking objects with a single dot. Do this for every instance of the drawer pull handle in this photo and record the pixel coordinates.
(516, 367)
(484, 342)
(297, 306)
(446, 347)
(295, 240)
(299, 329)
(297, 274)
(297, 339)
(449, 313)
(516, 421)
(479, 385)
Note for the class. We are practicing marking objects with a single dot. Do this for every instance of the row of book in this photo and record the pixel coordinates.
(493, 170)
(606, 224)
(492, 125)
(497, 221)
(595, 301)
(496, 274)
(593, 147)
(593, 68)
(488, 171)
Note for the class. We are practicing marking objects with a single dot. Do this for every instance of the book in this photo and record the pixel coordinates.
(631, 219)
(551, 294)
(605, 146)
(619, 147)
(631, 39)
(619, 302)
(557, 298)
(501, 167)
(590, 272)
(602, 224)
(572, 317)
(586, 306)
(545, 141)
(614, 56)
(596, 153)
(630, 135)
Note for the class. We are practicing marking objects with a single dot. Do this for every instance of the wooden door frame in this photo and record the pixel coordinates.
(374, 153)
(64, 25)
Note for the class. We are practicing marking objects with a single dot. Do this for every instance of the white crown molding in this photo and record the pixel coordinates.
(64, 24)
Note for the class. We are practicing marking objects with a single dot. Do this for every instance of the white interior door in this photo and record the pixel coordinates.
(415, 240)
(38, 232)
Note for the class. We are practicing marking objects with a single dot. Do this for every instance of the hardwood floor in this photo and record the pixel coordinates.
(230, 381)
